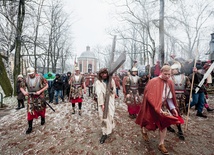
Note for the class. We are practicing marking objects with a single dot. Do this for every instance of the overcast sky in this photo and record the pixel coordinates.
(91, 20)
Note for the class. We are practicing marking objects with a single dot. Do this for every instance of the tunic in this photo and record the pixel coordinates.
(76, 83)
(150, 115)
(100, 87)
(132, 95)
(180, 82)
(36, 106)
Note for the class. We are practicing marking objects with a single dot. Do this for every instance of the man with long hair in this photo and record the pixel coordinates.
(100, 86)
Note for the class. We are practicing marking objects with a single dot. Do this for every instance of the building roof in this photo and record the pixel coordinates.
(87, 54)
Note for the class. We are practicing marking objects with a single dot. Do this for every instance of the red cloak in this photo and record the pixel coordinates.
(149, 115)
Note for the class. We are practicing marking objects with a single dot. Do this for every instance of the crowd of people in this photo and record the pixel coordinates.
(155, 100)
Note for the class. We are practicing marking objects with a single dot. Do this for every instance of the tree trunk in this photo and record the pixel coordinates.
(161, 32)
(4, 80)
(20, 20)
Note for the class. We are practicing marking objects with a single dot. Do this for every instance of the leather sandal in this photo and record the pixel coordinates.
(145, 136)
(163, 150)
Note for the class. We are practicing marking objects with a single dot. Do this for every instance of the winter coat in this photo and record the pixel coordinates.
(20, 95)
(58, 84)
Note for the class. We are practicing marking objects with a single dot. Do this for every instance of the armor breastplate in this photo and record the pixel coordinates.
(133, 82)
(33, 85)
(179, 81)
(76, 82)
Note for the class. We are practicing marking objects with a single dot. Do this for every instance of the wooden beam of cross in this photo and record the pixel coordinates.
(113, 68)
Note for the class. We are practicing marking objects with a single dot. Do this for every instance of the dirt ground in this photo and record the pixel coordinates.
(67, 134)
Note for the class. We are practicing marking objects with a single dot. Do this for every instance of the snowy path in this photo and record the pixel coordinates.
(64, 133)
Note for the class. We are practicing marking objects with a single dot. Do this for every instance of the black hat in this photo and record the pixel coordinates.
(199, 66)
(58, 75)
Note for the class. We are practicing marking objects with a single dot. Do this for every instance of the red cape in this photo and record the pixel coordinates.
(149, 115)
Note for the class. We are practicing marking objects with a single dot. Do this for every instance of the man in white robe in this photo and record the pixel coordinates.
(100, 87)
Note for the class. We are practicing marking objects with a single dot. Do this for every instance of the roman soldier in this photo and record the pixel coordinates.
(181, 83)
(77, 83)
(130, 87)
(36, 84)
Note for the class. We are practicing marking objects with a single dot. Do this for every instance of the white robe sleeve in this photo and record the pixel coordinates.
(100, 92)
(170, 104)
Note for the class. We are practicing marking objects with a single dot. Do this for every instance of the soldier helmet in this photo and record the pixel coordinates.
(20, 76)
(134, 69)
(30, 70)
(77, 68)
(176, 65)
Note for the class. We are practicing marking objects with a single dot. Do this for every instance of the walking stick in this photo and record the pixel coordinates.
(69, 90)
(149, 72)
(193, 77)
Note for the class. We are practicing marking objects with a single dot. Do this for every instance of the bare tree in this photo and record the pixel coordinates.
(11, 30)
(142, 19)
(59, 42)
(161, 32)
(189, 21)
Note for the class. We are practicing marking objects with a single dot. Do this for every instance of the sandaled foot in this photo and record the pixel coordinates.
(145, 136)
(163, 150)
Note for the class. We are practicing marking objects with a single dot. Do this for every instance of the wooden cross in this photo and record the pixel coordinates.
(113, 67)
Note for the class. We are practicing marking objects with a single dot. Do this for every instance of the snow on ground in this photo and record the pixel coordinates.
(64, 133)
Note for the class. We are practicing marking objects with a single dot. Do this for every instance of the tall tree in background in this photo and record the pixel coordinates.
(58, 33)
(8, 29)
(20, 21)
(161, 32)
(140, 16)
(37, 25)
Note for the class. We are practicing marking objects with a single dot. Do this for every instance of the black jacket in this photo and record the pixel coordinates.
(197, 79)
(58, 84)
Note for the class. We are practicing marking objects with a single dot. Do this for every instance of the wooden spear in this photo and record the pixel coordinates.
(190, 97)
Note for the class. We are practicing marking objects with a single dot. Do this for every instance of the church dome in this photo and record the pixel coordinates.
(88, 54)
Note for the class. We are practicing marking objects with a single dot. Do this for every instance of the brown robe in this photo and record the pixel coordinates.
(149, 115)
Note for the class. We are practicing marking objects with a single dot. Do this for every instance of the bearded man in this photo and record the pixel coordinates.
(100, 86)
